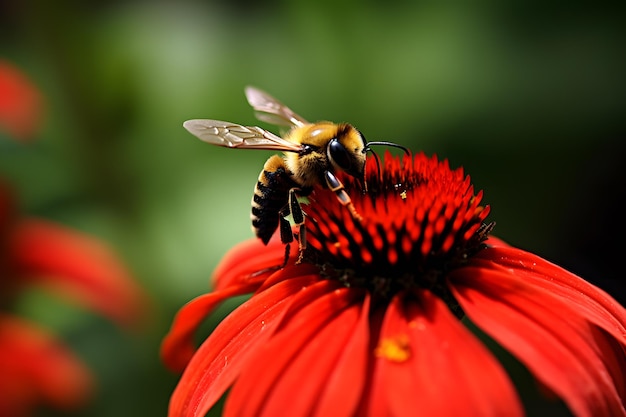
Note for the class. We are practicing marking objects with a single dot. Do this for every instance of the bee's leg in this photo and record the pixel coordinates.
(295, 209)
(286, 235)
(337, 187)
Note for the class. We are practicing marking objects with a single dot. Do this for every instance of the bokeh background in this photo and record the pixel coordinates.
(527, 96)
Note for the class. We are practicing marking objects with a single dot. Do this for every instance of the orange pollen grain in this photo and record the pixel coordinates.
(394, 349)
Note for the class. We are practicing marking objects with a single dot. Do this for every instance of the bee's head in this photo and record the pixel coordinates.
(346, 151)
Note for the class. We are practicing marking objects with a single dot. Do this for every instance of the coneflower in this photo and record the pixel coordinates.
(367, 322)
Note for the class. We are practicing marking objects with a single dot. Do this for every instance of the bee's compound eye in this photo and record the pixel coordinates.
(338, 154)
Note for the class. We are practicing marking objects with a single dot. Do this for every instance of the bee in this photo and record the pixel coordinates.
(313, 153)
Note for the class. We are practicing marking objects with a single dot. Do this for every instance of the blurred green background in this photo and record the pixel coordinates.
(528, 96)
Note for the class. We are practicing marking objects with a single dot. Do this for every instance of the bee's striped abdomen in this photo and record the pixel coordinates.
(271, 194)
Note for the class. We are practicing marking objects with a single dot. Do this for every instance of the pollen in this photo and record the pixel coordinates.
(394, 349)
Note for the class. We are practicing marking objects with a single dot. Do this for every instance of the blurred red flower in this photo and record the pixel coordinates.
(367, 324)
(35, 367)
(20, 103)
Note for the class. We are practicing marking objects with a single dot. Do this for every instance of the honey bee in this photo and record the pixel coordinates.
(313, 153)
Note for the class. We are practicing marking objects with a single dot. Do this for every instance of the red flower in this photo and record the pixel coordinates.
(368, 323)
(20, 103)
(35, 367)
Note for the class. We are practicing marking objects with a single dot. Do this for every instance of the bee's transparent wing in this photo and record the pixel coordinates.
(232, 135)
(269, 109)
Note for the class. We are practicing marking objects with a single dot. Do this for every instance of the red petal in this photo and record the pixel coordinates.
(222, 356)
(591, 302)
(343, 388)
(20, 103)
(283, 378)
(612, 353)
(246, 268)
(437, 357)
(546, 333)
(37, 369)
(250, 260)
(178, 346)
(77, 266)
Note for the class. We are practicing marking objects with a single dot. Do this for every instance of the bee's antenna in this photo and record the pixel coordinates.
(385, 143)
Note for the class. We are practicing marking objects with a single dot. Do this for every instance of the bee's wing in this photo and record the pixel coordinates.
(232, 135)
(270, 110)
